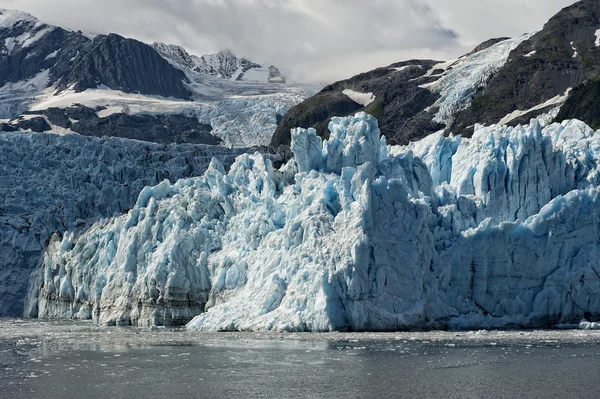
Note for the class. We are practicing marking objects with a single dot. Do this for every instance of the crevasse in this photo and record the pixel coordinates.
(497, 230)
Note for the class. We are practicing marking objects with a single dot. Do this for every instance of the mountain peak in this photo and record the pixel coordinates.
(223, 64)
(9, 18)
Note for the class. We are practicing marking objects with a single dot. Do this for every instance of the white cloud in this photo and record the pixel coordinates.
(315, 39)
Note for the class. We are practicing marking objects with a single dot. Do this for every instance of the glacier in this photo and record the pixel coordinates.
(498, 230)
(52, 183)
(461, 79)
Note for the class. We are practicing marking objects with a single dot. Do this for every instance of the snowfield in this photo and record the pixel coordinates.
(497, 230)
(241, 114)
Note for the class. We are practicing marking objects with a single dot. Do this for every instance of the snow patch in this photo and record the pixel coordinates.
(597, 34)
(109, 111)
(559, 99)
(530, 54)
(36, 36)
(363, 99)
(402, 68)
(52, 55)
(8, 18)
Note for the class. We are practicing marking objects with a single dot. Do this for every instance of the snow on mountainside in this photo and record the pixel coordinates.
(226, 65)
(44, 67)
(244, 115)
(416, 97)
(461, 79)
(500, 229)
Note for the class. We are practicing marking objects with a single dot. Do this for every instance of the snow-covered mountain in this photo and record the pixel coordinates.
(497, 230)
(129, 89)
(223, 64)
(226, 65)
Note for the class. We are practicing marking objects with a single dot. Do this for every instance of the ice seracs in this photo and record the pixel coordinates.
(53, 184)
(500, 229)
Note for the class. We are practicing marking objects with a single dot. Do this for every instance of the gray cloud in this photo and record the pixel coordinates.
(319, 40)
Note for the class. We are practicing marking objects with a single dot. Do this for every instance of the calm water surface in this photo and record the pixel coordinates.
(78, 360)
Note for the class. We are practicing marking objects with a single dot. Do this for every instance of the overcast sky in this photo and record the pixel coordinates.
(318, 40)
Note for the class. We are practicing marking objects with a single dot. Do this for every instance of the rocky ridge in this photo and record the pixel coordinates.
(519, 79)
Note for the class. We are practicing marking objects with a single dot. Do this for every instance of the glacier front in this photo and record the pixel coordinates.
(501, 229)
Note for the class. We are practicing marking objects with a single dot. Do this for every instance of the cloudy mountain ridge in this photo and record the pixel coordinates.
(504, 82)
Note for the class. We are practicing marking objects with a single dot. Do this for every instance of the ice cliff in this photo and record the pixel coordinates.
(51, 183)
(498, 230)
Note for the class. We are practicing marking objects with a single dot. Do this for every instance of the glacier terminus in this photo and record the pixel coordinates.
(351, 234)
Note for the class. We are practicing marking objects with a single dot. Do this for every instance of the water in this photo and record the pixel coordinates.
(78, 360)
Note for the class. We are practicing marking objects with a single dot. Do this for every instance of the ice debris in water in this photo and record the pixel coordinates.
(500, 229)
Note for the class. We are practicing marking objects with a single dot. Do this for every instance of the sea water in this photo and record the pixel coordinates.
(79, 360)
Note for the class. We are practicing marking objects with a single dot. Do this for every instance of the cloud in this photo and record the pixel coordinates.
(315, 39)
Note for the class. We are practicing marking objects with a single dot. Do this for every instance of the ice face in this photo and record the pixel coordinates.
(500, 229)
(51, 183)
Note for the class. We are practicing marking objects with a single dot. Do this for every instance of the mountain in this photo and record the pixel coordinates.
(121, 87)
(224, 65)
(73, 60)
(502, 82)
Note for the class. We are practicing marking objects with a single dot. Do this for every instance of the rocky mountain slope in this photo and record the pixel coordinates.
(74, 60)
(44, 68)
(502, 82)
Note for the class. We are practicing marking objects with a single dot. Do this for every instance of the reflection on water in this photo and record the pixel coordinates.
(68, 360)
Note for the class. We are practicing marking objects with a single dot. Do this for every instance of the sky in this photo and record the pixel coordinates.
(312, 40)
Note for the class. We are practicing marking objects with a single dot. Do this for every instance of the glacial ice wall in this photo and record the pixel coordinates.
(500, 229)
(51, 183)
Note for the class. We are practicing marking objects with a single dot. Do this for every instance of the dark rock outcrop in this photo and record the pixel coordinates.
(165, 129)
(400, 104)
(583, 104)
(562, 55)
(127, 65)
(157, 129)
(35, 124)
